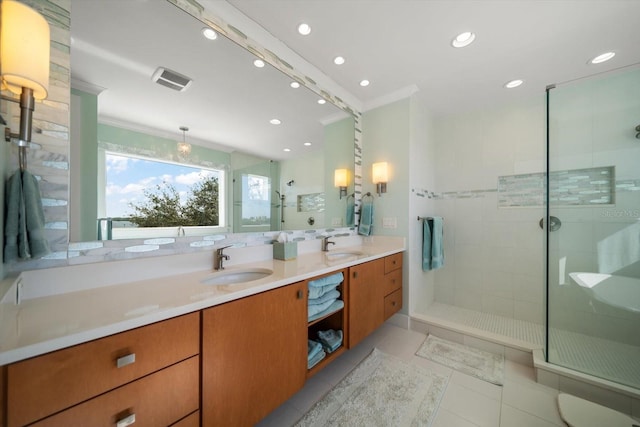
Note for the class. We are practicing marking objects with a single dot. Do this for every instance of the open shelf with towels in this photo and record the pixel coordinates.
(327, 327)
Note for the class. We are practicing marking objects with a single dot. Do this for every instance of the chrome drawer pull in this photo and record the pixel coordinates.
(126, 421)
(124, 361)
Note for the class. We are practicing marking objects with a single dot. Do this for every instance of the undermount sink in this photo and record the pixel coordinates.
(343, 254)
(232, 277)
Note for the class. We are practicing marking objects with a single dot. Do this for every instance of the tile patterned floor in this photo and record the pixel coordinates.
(603, 358)
(468, 402)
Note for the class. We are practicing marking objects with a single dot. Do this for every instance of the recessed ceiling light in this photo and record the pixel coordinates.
(287, 150)
(364, 83)
(463, 39)
(275, 121)
(304, 29)
(295, 85)
(602, 58)
(307, 144)
(338, 60)
(513, 83)
(209, 33)
(258, 63)
(321, 101)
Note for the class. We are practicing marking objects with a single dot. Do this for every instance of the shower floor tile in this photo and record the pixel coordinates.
(596, 356)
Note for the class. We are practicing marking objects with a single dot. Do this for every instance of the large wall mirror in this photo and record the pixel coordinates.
(141, 71)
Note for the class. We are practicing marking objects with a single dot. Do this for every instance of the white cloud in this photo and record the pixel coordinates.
(118, 164)
(193, 177)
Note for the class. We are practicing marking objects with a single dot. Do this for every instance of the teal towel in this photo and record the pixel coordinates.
(366, 219)
(337, 305)
(316, 359)
(328, 280)
(432, 248)
(351, 209)
(437, 250)
(313, 348)
(319, 308)
(24, 223)
(329, 296)
(316, 292)
(331, 340)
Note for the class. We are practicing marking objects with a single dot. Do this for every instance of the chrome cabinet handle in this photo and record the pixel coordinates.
(299, 294)
(127, 421)
(126, 360)
(355, 274)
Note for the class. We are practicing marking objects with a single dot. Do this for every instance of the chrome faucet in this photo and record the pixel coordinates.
(325, 243)
(219, 258)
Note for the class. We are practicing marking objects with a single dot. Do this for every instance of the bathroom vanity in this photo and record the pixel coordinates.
(190, 354)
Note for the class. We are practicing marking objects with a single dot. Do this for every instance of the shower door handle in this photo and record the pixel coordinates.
(554, 223)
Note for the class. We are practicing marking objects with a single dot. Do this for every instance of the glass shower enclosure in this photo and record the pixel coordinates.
(593, 232)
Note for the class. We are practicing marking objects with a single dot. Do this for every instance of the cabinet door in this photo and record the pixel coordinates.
(254, 355)
(366, 299)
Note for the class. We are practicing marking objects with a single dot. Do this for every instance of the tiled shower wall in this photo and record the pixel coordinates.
(494, 255)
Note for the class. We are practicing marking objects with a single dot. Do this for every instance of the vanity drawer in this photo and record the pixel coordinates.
(392, 281)
(392, 262)
(46, 384)
(159, 399)
(192, 420)
(392, 303)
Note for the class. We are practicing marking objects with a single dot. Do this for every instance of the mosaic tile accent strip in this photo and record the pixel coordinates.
(578, 187)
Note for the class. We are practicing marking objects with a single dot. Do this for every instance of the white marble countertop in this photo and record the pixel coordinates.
(82, 303)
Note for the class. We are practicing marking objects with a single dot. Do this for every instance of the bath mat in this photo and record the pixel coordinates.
(381, 391)
(468, 360)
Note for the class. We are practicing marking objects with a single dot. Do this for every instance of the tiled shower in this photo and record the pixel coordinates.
(491, 172)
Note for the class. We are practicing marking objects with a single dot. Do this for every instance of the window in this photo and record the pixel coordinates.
(141, 193)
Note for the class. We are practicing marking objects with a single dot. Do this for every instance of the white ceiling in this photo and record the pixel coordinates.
(398, 44)
(116, 46)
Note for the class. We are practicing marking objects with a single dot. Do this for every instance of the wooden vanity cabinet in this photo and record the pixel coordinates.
(375, 294)
(366, 294)
(161, 356)
(254, 355)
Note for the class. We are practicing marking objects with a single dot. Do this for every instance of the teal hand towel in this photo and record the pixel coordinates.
(366, 219)
(432, 245)
(426, 245)
(437, 250)
(351, 208)
(24, 222)
(12, 226)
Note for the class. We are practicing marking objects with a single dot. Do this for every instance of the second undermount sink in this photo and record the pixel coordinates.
(231, 277)
(343, 254)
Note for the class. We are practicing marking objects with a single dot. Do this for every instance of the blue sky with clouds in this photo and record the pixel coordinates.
(128, 177)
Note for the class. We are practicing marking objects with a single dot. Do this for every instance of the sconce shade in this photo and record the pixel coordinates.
(379, 172)
(340, 178)
(24, 44)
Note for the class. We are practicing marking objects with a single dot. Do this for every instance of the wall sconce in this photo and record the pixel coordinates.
(340, 181)
(184, 148)
(380, 176)
(24, 44)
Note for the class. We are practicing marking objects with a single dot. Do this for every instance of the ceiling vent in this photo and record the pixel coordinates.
(171, 79)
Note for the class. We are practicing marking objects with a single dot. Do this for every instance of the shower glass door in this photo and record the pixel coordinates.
(593, 226)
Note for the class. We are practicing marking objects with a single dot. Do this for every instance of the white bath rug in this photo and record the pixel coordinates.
(468, 360)
(381, 391)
